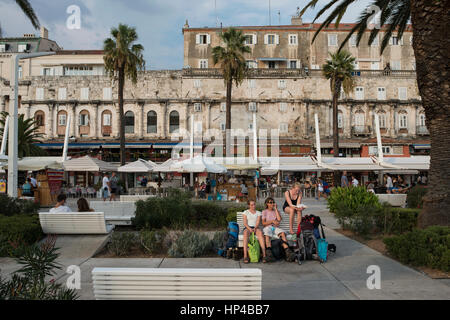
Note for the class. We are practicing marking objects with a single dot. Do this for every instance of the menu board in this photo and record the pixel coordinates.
(55, 179)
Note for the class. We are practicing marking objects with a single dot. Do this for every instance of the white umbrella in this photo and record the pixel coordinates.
(86, 163)
(199, 164)
(140, 165)
(38, 163)
(168, 166)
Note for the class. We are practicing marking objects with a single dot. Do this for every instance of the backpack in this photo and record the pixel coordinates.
(322, 249)
(254, 250)
(277, 249)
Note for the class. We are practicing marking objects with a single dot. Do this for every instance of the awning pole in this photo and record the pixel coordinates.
(255, 139)
(319, 150)
(379, 142)
(5, 137)
(66, 139)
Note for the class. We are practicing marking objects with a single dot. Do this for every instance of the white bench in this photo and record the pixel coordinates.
(116, 212)
(74, 223)
(176, 284)
(284, 224)
(395, 200)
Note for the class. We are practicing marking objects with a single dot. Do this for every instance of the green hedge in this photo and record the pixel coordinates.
(397, 220)
(415, 196)
(352, 198)
(12, 206)
(18, 230)
(429, 247)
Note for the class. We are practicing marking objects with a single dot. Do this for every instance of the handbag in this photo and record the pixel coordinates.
(254, 250)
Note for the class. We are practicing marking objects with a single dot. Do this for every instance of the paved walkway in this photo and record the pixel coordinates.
(343, 277)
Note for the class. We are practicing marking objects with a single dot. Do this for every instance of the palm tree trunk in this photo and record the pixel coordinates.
(431, 43)
(121, 116)
(228, 119)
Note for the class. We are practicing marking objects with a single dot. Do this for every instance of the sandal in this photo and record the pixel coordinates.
(264, 259)
(246, 260)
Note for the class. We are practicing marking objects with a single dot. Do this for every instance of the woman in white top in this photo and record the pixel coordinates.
(252, 223)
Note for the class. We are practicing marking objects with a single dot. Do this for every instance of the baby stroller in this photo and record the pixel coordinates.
(308, 235)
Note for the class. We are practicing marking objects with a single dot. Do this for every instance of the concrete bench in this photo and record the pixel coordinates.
(74, 223)
(116, 212)
(395, 200)
(176, 284)
(284, 224)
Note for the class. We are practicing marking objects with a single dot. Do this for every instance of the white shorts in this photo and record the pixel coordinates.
(267, 231)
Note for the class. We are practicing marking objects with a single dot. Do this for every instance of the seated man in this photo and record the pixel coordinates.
(60, 206)
(271, 219)
(26, 189)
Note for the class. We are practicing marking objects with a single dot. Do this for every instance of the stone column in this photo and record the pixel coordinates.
(98, 122)
(394, 120)
(208, 125)
(94, 122)
(165, 120)
(416, 121)
(350, 121)
(73, 129)
(307, 120)
(55, 121)
(141, 120)
(49, 123)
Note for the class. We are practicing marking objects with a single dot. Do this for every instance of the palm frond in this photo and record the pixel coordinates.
(27, 9)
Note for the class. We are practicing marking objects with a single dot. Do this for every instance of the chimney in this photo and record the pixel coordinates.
(296, 20)
(44, 33)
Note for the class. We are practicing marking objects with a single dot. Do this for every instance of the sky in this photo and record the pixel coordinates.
(158, 23)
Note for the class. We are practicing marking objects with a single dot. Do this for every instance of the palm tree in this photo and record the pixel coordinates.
(123, 58)
(232, 63)
(338, 70)
(429, 19)
(28, 136)
(27, 9)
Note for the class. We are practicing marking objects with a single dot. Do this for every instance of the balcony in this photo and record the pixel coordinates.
(422, 131)
(361, 130)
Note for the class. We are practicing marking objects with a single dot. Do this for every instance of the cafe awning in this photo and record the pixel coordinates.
(199, 164)
(273, 59)
(271, 166)
(408, 163)
(37, 163)
(140, 166)
(351, 164)
(88, 164)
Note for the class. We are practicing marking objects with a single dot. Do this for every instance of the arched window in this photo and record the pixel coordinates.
(422, 120)
(403, 119)
(129, 122)
(152, 122)
(174, 121)
(382, 119)
(39, 118)
(83, 122)
(340, 120)
(106, 123)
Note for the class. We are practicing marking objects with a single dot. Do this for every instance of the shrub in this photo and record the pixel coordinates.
(28, 283)
(12, 206)
(190, 244)
(232, 216)
(152, 241)
(121, 243)
(171, 212)
(352, 198)
(429, 247)
(219, 240)
(415, 197)
(18, 230)
(392, 220)
(208, 214)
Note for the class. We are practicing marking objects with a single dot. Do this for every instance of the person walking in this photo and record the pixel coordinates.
(114, 184)
(344, 180)
(355, 181)
(105, 186)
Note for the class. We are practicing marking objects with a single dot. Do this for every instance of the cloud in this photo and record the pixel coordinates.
(158, 22)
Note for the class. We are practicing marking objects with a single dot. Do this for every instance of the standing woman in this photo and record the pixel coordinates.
(293, 198)
(252, 223)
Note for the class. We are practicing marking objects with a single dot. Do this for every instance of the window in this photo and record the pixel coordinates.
(250, 39)
(23, 47)
(84, 93)
(340, 120)
(39, 118)
(284, 127)
(203, 39)
(382, 120)
(373, 150)
(374, 65)
(84, 118)
(197, 83)
(3, 47)
(223, 107)
(402, 94)
(107, 93)
(62, 94)
(106, 118)
(395, 41)
(293, 39)
(174, 121)
(79, 71)
(359, 119)
(203, 64)
(129, 122)
(152, 122)
(396, 65)
(403, 120)
(293, 64)
(356, 65)
(271, 39)
(353, 40)
(271, 65)
(332, 40)
(62, 118)
(222, 126)
(281, 84)
(252, 107)
(375, 42)
(47, 71)
(422, 120)
(359, 93)
(381, 93)
(20, 72)
(283, 106)
(197, 107)
(250, 126)
(39, 93)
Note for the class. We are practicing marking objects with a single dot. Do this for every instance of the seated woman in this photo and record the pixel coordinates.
(83, 205)
(26, 189)
(252, 222)
(271, 219)
(293, 198)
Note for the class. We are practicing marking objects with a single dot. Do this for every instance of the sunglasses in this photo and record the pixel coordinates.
(270, 202)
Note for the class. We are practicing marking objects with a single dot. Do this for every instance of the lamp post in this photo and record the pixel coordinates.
(13, 148)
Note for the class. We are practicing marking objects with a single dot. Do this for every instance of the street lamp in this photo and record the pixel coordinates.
(13, 148)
